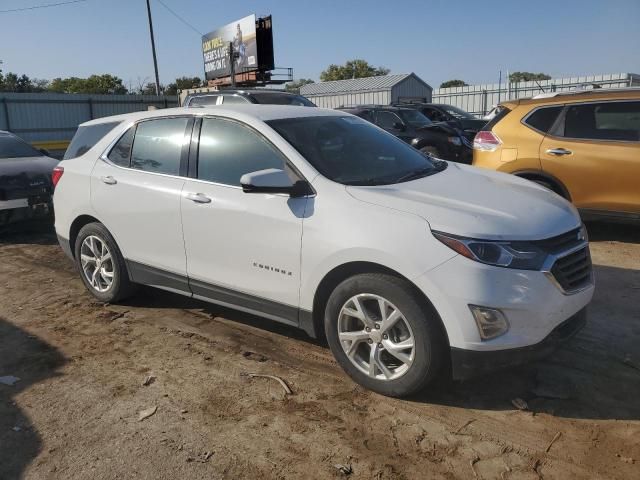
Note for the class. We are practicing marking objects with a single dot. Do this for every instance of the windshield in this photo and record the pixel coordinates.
(458, 112)
(352, 151)
(276, 98)
(414, 118)
(12, 147)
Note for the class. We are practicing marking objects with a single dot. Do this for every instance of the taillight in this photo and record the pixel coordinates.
(486, 140)
(56, 175)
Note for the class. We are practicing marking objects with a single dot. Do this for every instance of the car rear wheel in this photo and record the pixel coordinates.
(382, 335)
(101, 265)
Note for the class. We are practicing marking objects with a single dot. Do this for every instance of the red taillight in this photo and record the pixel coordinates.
(486, 140)
(56, 175)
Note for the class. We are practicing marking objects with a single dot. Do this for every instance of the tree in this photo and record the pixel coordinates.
(352, 69)
(183, 83)
(453, 83)
(104, 84)
(148, 89)
(294, 87)
(527, 77)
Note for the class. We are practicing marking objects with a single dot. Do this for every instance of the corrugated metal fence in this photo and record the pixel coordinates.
(479, 99)
(49, 120)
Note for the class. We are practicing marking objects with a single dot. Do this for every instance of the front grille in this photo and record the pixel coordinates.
(573, 271)
(561, 243)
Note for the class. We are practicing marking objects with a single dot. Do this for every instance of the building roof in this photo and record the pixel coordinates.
(382, 82)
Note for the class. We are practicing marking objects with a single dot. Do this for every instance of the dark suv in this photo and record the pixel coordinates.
(455, 117)
(256, 95)
(408, 124)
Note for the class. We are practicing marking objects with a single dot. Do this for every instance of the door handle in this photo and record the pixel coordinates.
(109, 180)
(559, 151)
(198, 197)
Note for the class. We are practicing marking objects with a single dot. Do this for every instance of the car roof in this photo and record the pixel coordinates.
(240, 90)
(632, 93)
(263, 112)
(374, 107)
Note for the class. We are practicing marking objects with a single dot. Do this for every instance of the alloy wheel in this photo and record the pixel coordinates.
(376, 337)
(97, 263)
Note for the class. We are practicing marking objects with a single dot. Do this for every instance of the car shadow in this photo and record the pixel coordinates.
(613, 232)
(32, 361)
(32, 233)
(595, 375)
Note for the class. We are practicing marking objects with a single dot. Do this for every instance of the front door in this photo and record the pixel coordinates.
(243, 249)
(136, 192)
(595, 153)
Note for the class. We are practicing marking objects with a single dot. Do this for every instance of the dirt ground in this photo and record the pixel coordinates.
(74, 413)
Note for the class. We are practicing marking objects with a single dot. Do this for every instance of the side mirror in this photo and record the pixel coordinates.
(274, 180)
(399, 126)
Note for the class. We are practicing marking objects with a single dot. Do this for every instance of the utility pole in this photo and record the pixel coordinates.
(153, 49)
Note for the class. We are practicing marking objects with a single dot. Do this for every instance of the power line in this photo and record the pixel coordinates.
(47, 5)
(180, 18)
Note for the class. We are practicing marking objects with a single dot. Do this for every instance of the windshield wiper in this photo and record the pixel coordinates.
(438, 166)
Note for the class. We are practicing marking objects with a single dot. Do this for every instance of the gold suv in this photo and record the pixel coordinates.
(583, 145)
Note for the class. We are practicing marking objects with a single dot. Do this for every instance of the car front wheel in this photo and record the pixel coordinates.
(382, 334)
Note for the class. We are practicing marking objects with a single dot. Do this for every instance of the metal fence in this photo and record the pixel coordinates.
(479, 99)
(49, 120)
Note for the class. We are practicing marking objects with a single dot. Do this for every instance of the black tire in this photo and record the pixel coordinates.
(430, 150)
(121, 287)
(549, 186)
(429, 340)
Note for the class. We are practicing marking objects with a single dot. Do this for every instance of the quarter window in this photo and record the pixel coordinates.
(228, 150)
(228, 99)
(604, 121)
(542, 119)
(158, 145)
(204, 100)
(120, 154)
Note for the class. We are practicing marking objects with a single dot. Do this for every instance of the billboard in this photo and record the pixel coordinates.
(215, 48)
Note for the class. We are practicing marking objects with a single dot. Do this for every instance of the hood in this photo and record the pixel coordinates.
(477, 203)
(25, 176)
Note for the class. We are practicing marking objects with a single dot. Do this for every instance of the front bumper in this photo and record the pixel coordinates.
(470, 363)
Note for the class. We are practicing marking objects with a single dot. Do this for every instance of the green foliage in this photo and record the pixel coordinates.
(352, 69)
(183, 83)
(104, 84)
(294, 87)
(453, 83)
(527, 77)
(11, 82)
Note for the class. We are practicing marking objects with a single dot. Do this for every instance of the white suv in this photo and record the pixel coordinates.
(410, 266)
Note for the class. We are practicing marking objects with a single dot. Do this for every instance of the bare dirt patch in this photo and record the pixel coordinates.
(75, 412)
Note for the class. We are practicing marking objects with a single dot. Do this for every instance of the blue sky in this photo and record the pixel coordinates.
(438, 40)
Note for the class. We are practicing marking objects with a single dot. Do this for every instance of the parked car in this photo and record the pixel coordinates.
(242, 96)
(25, 180)
(455, 117)
(318, 219)
(408, 124)
(583, 145)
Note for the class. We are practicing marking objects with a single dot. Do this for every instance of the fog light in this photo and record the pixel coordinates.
(491, 322)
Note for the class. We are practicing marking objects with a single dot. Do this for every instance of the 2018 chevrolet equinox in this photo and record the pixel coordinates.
(409, 265)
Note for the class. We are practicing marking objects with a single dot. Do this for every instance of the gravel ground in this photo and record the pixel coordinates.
(75, 412)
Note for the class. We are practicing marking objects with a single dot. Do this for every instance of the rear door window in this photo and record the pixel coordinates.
(157, 146)
(542, 119)
(387, 120)
(86, 137)
(603, 121)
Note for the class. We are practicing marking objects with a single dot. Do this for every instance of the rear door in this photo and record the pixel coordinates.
(136, 190)
(242, 248)
(594, 150)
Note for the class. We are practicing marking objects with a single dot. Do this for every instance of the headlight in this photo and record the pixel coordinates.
(520, 255)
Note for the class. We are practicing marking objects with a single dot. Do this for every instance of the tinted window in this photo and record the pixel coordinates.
(367, 115)
(228, 150)
(157, 146)
(457, 112)
(204, 100)
(12, 147)
(86, 137)
(275, 98)
(387, 119)
(604, 121)
(233, 99)
(414, 118)
(434, 115)
(120, 154)
(542, 119)
(351, 151)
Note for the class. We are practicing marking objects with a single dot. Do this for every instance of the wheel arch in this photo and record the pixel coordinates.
(77, 224)
(534, 175)
(340, 273)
